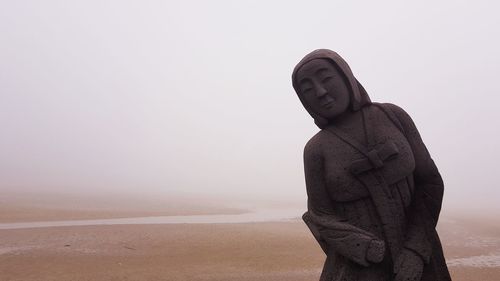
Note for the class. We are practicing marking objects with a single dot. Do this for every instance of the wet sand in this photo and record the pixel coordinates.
(264, 251)
(215, 252)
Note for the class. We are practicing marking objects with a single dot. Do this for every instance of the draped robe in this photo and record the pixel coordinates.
(387, 191)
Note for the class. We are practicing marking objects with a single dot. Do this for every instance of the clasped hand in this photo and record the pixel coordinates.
(408, 266)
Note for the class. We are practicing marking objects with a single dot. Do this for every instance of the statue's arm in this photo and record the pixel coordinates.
(340, 236)
(428, 193)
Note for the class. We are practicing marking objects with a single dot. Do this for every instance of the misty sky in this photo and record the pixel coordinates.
(196, 96)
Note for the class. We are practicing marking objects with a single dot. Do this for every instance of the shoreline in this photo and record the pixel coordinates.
(246, 216)
(32, 207)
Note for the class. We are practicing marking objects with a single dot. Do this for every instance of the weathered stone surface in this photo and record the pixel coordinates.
(374, 192)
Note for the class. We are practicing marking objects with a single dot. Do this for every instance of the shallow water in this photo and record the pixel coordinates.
(476, 261)
(267, 215)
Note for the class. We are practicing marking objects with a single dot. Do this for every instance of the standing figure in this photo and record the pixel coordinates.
(374, 193)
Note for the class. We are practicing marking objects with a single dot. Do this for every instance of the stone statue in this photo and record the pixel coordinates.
(374, 193)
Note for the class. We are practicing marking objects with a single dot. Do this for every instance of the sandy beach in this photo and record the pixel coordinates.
(215, 252)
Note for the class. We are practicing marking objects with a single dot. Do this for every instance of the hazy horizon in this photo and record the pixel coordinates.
(196, 98)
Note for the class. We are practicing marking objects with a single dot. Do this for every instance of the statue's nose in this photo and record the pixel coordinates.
(321, 91)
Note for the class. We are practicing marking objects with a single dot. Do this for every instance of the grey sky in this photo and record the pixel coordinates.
(163, 96)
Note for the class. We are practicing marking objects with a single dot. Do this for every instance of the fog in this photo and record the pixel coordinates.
(162, 97)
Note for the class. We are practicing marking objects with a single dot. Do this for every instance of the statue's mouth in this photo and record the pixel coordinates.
(328, 105)
(329, 102)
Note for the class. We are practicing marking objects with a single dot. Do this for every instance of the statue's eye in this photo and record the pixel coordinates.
(306, 86)
(306, 90)
(327, 79)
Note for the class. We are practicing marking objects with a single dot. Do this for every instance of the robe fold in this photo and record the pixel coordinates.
(360, 196)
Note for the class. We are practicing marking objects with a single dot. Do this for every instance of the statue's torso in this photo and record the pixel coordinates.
(351, 198)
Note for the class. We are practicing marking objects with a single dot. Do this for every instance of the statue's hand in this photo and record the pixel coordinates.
(408, 266)
(376, 250)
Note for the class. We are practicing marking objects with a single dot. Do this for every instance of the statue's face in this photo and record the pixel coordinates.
(323, 88)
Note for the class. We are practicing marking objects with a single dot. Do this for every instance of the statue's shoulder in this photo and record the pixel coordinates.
(315, 144)
(391, 108)
(396, 114)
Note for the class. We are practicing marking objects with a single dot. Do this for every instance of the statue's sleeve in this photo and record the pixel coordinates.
(428, 191)
(333, 232)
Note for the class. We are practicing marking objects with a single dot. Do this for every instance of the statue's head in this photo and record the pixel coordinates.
(323, 88)
(326, 86)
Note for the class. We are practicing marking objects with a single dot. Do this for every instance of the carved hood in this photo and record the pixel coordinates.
(359, 96)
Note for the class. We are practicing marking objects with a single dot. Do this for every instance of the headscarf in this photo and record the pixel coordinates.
(358, 95)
